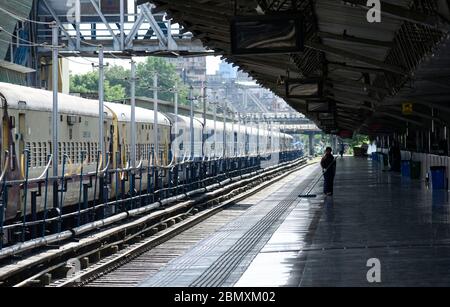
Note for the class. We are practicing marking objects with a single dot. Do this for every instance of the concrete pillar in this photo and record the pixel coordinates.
(334, 144)
(311, 144)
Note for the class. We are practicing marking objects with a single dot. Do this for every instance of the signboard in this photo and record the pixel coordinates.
(407, 108)
(304, 89)
(318, 106)
(265, 34)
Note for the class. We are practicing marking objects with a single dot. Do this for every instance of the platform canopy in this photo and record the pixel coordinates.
(351, 75)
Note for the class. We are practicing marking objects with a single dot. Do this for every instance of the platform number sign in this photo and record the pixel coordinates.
(407, 108)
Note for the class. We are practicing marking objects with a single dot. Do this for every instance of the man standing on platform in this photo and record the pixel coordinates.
(328, 164)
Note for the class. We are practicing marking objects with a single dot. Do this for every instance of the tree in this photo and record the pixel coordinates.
(167, 78)
(88, 84)
(118, 75)
(117, 85)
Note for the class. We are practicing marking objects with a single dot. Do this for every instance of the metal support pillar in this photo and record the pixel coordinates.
(191, 101)
(203, 95)
(215, 124)
(257, 134)
(101, 116)
(176, 146)
(239, 134)
(133, 113)
(122, 24)
(155, 110)
(225, 130)
(55, 121)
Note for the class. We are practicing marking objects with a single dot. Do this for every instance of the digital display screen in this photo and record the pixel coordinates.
(266, 34)
(318, 107)
(302, 90)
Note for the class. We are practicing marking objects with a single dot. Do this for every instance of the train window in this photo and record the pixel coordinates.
(44, 153)
(71, 120)
(50, 148)
(33, 155)
(79, 148)
(88, 152)
(39, 153)
(59, 153)
(79, 120)
(61, 118)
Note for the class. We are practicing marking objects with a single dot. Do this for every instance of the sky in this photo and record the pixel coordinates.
(84, 65)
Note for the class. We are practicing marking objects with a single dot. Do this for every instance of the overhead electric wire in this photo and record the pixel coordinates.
(23, 19)
(27, 42)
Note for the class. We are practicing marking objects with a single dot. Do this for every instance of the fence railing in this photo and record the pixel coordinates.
(50, 205)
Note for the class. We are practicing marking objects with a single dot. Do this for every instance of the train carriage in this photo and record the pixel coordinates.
(26, 124)
(26, 115)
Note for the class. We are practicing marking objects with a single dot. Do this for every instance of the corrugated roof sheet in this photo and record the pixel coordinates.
(21, 8)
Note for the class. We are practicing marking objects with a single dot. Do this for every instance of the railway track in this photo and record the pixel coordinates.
(129, 254)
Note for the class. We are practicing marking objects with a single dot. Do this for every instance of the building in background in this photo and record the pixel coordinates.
(227, 71)
(15, 66)
(192, 70)
(242, 93)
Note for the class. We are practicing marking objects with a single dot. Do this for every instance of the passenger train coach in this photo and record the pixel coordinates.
(26, 115)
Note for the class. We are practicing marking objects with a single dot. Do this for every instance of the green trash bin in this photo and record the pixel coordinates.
(416, 170)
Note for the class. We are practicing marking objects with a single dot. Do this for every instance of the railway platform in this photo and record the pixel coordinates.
(279, 239)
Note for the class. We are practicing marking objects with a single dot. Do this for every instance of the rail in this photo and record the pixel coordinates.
(108, 193)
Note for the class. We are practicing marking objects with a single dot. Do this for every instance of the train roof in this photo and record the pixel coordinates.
(186, 121)
(249, 128)
(28, 98)
(123, 113)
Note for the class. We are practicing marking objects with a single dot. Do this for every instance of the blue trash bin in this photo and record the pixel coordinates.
(438, 177)
(406, 168)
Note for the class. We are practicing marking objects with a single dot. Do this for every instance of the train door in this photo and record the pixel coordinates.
(13, 172)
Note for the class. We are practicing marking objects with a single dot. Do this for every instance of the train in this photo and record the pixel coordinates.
(26, 126)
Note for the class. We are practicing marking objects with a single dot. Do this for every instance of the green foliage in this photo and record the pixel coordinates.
(167, 78)
(358, 140)
(88, 84)
(117, 76)
(117, 86)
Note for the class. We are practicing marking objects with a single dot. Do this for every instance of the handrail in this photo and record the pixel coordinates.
(42, 176)
(127, 168)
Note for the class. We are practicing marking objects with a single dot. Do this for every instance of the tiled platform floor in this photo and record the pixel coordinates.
(327, 241)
